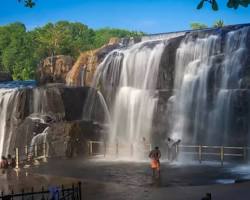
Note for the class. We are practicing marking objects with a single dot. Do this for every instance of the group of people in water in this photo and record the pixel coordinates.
(155, 155)
(8, 162)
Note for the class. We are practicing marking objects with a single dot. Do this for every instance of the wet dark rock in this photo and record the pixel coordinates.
(167, 64)
(73, 100)
(61, 111)
(25, 131)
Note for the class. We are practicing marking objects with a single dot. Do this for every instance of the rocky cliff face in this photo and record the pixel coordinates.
(83, 71)
(54, 69)
(27, 113)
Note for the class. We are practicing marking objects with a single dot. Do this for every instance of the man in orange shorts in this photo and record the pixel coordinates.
(155, 155)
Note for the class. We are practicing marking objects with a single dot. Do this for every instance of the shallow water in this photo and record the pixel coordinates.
(138, 174)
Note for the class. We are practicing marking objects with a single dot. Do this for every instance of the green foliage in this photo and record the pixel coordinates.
(22, 50)
(197, 25)
(230, 4)
(28, 3)
(103, 35)
(15, 52)
(218, 24)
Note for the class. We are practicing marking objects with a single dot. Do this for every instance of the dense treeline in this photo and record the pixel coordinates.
(22, 50)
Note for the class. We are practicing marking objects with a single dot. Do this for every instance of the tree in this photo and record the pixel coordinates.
(16, 51)
(22, 50)
(230, 4)
(103, 35)
(28, 3)
(197, 25)
(218, 24)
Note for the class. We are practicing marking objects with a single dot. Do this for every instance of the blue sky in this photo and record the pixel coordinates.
(150, 16)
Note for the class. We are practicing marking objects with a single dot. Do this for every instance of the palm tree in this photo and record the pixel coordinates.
(218, 24)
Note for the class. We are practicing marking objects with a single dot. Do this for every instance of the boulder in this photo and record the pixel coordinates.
(5, 76)
(54, 69)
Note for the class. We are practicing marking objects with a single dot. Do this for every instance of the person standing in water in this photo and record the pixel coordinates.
(155, 156)
(4, 163)
(170, 143)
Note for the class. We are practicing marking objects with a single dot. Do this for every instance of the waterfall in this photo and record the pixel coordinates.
(105, 79)
(47, 102)
(12, 99)
(40, 101)
(135, 100)
(206, 80)
(7, 110)
(221, 116)
(127, 78)
(39, 139)
(104, 105)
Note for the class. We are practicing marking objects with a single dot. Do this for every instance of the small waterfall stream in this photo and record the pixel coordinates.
(39, 139)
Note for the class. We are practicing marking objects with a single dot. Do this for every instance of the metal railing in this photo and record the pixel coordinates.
(40, 151)
(102, 148)
(57, 193)
(199, 151)
(219, 151)
(27, 154)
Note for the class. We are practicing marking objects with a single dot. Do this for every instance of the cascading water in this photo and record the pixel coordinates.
(43, 104)
(207, 84)
(40, 101)
(135, 99)
(7, 104)
(19, 99)
(206, 80)
(128, 79)
(191, 84)
(106, 76)
(10, 112)
(39, 139)
(221, 117)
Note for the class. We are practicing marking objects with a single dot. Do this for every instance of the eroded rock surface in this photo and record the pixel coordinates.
(84, 68)
(54, 69)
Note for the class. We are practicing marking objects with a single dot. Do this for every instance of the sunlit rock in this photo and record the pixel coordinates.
(54, 69)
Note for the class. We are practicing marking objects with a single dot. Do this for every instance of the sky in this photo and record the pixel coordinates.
(149, 16)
